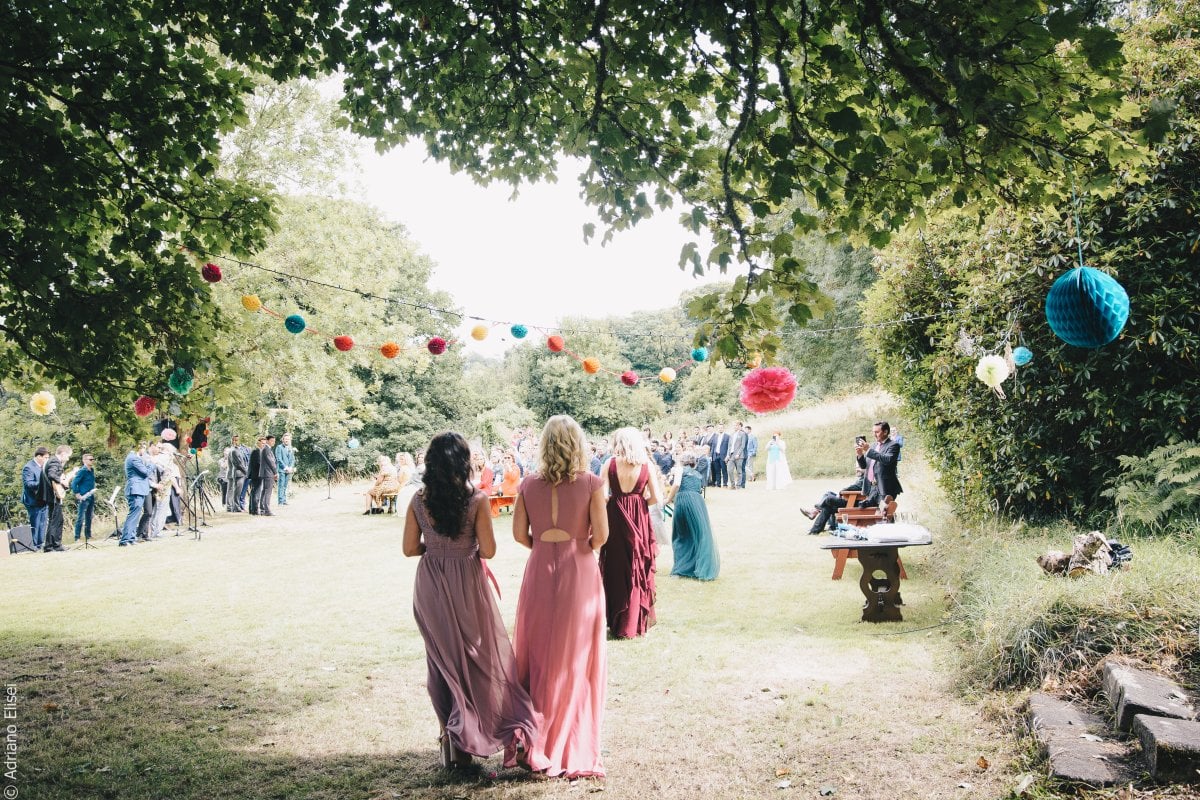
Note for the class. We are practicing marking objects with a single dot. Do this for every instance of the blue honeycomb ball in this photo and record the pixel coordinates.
(294, 323)
(700, 354)
(1087, 308)
(519, 331)
(1022, 356)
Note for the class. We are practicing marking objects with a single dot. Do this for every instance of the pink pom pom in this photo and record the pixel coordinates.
(343, 343)
(556, 343)
(629, 378)
(169, 434)
(768, 389)
(210, 272)
(437, 345)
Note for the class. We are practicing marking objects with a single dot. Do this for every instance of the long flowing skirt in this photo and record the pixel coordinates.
(692, 542)
(472, 676)
(561, 656)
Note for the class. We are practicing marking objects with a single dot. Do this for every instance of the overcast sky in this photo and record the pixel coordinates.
(525, 260)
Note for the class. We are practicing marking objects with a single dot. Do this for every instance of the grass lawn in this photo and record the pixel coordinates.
(278, 658)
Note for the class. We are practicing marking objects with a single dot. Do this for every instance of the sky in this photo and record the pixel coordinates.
(524, 260)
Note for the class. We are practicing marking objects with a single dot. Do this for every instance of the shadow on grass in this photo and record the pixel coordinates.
(138, 719)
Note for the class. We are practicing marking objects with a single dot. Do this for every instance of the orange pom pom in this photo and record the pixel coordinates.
(389, 350)
(591, 365)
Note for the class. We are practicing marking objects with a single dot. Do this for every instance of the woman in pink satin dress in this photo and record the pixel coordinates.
(559, 638)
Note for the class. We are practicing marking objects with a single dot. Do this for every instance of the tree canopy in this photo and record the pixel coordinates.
(872, 112)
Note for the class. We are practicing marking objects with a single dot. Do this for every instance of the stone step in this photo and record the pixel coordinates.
(1171, 747)
(1133, 691)
(1078, 744)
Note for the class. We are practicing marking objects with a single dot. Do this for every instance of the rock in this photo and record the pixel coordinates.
(1134, 691)
(1171, 747)
(1060, 728)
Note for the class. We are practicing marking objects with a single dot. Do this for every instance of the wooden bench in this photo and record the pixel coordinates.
(500, 501)
(862, 518)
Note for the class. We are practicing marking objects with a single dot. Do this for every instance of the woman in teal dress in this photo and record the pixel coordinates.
(691, 533)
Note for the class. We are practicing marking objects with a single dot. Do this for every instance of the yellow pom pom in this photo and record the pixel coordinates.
(755, 360)
(479, 333)
(667, 375)
(251, 303)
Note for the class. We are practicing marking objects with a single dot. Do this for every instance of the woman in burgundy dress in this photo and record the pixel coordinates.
(472, 680)
(627, 559)
(559, 638)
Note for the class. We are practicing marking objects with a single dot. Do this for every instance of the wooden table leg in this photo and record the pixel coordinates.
(882, 593)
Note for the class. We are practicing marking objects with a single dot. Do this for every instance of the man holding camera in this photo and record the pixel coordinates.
(877, 478)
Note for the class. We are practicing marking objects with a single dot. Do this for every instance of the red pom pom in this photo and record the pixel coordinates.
(343, 343)
(768, 389)
(144, 406)
(629, 378)
(389, 350)
(210, 272)
(556, 343)
(437, 345)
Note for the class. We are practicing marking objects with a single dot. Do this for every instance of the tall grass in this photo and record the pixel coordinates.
(1022, 628)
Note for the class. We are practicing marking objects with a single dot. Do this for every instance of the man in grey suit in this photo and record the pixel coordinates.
(751, 452)
(737, 457)
(268, 471)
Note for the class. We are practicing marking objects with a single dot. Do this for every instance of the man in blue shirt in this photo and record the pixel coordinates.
(83, 486)
(31, 477)
(285, 461)
(138, 469)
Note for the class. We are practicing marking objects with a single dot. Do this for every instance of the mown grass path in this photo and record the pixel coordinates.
(278, 658)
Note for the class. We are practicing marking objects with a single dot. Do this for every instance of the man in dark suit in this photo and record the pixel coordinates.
(879, 460)
(51, 491)
(719, 449)
(268, 470)
(254, 475)
(31, 478)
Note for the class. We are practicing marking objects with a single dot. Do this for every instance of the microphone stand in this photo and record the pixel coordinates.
(328, 474)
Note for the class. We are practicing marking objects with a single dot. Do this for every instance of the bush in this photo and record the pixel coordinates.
(1160, 492)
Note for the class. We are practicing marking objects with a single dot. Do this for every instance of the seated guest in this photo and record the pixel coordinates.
(387, 483)
(482, 475)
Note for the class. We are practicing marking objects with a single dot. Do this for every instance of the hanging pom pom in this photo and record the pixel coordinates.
(666, 375)
(1087, 308)
(168, 434)
(992, 370)
(180, 381)
(295, 323)
(700, 354)
(767, 389)
(1022, 356)
(173, 409)
(251, 303)
(591, 365)
(353, 444)
(144, 406)
(343, 343)
(556, 343)
(436, 345)
(42, 403)
(519, 331)
(210, 272)
(629, 378)
(479, 333)
(755, 360)
(389, 350)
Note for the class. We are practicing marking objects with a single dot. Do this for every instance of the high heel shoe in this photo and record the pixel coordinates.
(446, 750)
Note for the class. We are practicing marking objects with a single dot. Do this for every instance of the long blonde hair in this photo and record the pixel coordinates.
(629, 446)
(562, 453)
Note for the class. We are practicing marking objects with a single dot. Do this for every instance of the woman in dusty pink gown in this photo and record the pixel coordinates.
(559, 638)
(472, 679)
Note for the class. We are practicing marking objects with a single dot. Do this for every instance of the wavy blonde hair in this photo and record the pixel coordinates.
(562, 452)
(629, 446)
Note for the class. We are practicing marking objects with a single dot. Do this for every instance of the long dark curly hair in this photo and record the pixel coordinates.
(448, 482)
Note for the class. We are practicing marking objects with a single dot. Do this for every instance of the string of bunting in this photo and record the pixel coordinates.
(437, 345)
